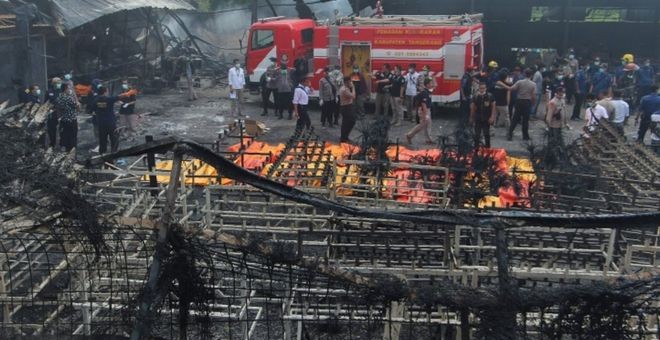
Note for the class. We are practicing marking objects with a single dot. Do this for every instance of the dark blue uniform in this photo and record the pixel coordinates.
(104, 107)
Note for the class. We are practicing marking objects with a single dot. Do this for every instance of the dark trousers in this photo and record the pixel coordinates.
(51, 126)
(303, 118)
(644, 125)
(347, 122)
(283, 102)
(108, 131)
(465, 112)
(68, 134)
(337, 112)
(522, 111)
(481, 128)
(555, 138)
(327, 111)
(265, 98)
(579, 100)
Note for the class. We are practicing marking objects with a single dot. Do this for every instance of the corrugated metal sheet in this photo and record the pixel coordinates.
(75, 13)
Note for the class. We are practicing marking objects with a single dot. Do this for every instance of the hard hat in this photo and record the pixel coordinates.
(629, 58)
(493, 64)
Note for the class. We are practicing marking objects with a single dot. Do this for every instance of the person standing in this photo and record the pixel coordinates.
(524, 103)
(538, 82)
(601, 81)
(621, 111)
(502, 97)
(347, 96)
(645, 79)
(424, 112)
(104, 107)
(604, 100)
(53, 119)
(34, 95)
(268, 85)
(327, 95)
(67, 108)
(382, 80)
(466, 94)
(338, 79)
(397, 94)
(361, 91)
(593, 114)
(411, 91)
(127, 108)
(555, 118)
(236, 84)
(580, 91)
(482, 115)
(284, 83)
(301, 103)
(649, 105)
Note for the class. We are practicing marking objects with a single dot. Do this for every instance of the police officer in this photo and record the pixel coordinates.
(482, 115)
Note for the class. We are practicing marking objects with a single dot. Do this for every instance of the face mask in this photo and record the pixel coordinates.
(124, 86)
(69, 92)
(37, 92)
(571, 57)
(67, 76)
(647, 64)
(238, 65)
(355, 70)
(482, 93)
(410, 70)
(603, 70)
(58, 86)
(596, 62)
(560, 77)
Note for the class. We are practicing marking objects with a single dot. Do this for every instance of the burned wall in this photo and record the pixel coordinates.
(21, 62)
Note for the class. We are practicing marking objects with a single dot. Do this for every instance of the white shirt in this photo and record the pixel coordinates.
(236, 78)
(538, 80)
(411, 83)
(301, 95)
(656, 119)
(595, 114)
(621, 110)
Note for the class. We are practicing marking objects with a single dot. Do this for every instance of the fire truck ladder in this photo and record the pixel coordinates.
(333, 45)
(413, 20)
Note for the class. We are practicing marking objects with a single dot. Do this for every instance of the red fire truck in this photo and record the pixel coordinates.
(447, 44)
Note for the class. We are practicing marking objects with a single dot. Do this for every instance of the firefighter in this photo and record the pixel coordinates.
(491, 75)
(620, 70)
(268, 85)
(482, 115)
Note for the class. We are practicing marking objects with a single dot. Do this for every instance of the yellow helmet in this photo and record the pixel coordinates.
(493, 64)
(629, 58)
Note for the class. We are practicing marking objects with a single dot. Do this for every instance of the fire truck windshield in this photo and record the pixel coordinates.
(262, 39)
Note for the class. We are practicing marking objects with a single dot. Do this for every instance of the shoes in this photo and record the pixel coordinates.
(96, 149)
(397, 124)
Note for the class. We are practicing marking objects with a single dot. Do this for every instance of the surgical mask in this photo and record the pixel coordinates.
(597, 62)
(58, 86)
(603, 70)
(647, 64)
(38, 92)
(411, 70)
(560, 77)
(238, 65)
(571, 57)
(124, 86)
(623, 62)
(69, 92)
(482, 93)
(67, 77)
(356, 70)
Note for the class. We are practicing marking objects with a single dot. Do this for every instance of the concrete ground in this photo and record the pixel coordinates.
(170, 113)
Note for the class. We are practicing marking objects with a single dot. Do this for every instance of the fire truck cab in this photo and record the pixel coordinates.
(446, 44)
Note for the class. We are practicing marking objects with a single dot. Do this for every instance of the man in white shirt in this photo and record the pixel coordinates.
(411, 91)
(538, 81)
(593, 114)
(300, 104)
(236, 84)
(621, 111)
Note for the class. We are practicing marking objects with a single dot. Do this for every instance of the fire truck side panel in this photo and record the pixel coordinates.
(442, 48)
(290, 37)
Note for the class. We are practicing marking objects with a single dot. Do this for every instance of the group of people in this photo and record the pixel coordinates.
(68, 101)
(506, 98)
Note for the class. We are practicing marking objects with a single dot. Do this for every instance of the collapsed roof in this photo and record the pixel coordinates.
(70, 14)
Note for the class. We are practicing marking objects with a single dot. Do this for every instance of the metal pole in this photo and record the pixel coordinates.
(151, 297)
(151, 165)
(508, 326)
(255, 7)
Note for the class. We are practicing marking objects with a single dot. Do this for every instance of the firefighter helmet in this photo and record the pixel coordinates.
(628, 58)
(493, 64)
